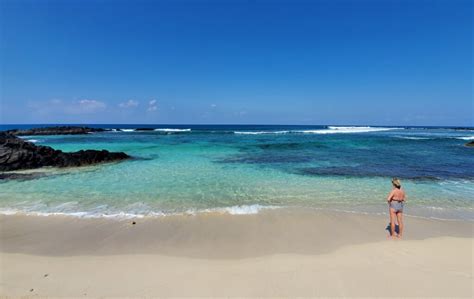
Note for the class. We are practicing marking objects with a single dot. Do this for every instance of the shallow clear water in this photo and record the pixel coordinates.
(241, 169)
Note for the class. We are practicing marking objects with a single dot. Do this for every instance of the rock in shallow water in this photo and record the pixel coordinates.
(471, 143)
(17, 154)
(20, 176)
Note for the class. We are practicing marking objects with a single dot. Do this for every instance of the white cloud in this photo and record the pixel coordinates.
(213, 105)
(58, 107)
(91, 105)
(55, 101)
(84, 106)
(152, 106)
(129, 104)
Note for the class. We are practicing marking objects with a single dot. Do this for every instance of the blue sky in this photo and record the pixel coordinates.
(237, 62)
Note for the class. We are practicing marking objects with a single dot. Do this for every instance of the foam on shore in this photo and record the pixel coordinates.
(232, 210)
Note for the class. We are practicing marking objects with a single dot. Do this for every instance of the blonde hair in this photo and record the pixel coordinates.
(396, 183)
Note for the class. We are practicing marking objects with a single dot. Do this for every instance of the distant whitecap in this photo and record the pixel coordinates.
(172, 130)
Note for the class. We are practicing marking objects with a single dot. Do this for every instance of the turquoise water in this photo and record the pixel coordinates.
(243, 169)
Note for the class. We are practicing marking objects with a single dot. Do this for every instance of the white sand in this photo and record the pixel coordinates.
(230, 256)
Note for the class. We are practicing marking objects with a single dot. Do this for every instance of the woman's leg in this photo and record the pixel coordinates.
(392, 222)
(400, 223)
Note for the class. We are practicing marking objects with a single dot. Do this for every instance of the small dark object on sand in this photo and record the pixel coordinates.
(134, 223)
(31, 290)
(46, 275)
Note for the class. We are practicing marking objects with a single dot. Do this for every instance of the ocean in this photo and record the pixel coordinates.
(244, 169)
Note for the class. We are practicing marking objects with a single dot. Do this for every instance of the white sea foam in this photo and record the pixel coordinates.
(240, 210)
(127, 130)
(173, 130)
(435, 136)
(260, 132)
(29, 138)
(9, 212)
(329, 130)
(466, 138)
(80, 214)
(336, 130)
(99, 213)
(413, 137)
(426, 212)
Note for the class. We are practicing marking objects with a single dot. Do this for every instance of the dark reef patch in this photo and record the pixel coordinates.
(463, 129)
(362, 171)
(290, 145)
(265, 158)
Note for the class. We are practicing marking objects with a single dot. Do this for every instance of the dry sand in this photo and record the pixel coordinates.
(275, 253)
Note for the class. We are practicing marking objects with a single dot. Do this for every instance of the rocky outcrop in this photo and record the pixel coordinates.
(463, 129)
(144, 129)
(64, 130)
(470, 143)
(17, 154)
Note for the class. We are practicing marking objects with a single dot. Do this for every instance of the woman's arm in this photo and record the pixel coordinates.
(390, 195)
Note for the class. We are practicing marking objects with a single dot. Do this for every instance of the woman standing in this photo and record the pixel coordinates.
(396, 200)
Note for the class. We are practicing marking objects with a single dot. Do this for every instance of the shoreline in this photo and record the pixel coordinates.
(274, 253)
(413, 211)
(288, 230)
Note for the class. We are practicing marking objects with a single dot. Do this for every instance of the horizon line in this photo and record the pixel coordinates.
(236, 124)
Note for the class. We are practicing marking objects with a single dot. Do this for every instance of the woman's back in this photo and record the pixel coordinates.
(398, 194)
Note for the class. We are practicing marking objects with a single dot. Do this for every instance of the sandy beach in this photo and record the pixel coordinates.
(281, 252)
(224, 149)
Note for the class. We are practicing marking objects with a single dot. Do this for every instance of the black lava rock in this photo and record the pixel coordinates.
(64, 130)
(17, 154)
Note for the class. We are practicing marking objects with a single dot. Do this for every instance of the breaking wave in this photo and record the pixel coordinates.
(232, 210)
(173, 130)
(260, 132)
(466, 138)
(329, 130)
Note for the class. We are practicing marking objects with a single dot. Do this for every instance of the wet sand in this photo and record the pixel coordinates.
(275, 253)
